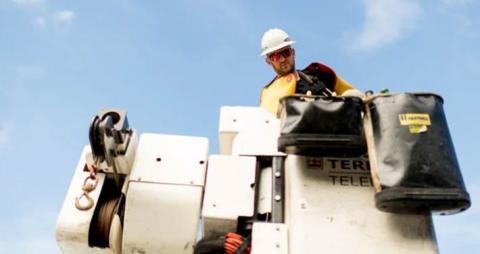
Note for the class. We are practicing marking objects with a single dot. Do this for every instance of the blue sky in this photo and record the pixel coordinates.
(172, 64)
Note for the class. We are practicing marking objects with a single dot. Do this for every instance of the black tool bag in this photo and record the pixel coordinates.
(412, 157)
(321, 126)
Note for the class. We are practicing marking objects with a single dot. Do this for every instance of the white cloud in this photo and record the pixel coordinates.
(64, 17)
(386, 21)
(27, 2)
(40, 23)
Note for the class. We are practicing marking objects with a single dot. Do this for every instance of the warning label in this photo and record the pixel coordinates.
(417, 123)
(414, 119)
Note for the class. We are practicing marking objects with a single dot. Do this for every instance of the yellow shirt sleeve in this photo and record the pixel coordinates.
(341, 85)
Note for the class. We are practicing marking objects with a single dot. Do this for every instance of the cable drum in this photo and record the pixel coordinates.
(101, 226)
(109, 204)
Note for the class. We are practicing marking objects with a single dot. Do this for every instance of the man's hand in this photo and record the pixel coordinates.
(354, 93)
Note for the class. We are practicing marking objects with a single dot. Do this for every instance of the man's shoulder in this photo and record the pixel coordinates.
(283, 80)
(270, 83)
(321, 72)
(316, 68)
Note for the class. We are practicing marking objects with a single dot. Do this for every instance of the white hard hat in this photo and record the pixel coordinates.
(275, 39)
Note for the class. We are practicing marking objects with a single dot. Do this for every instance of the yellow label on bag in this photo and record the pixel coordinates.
(417, 128)
(417, 123)
(414, 119)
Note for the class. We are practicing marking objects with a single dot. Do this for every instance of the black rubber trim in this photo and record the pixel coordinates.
(322, 145)
(422, 200)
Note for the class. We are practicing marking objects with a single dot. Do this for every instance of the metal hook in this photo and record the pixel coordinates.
(85, 207)
(88, 187)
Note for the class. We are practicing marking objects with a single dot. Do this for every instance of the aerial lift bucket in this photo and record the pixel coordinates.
(413, 163)
(321, 126)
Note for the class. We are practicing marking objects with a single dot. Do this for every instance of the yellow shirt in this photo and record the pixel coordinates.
(281, 87)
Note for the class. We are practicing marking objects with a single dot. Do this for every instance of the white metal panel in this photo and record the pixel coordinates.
(271, 238)
(260, 142)
(73, 224)
(161, 218)
(171, 159)
(229, 193)
(248, 131)
(330, 205)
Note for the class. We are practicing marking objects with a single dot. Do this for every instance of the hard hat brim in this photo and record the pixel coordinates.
(283, 45)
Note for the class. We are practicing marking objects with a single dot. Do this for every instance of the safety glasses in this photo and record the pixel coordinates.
(276, 55)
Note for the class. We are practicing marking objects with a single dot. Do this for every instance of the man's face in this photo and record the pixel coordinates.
(282, 60)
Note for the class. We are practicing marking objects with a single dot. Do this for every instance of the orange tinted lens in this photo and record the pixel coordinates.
(274, 57)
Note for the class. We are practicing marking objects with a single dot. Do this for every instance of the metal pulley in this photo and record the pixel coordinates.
(109, 136)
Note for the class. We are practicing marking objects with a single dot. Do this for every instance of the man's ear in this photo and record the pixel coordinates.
(293, 51)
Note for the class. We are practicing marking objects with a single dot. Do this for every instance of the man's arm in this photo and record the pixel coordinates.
(341, 85)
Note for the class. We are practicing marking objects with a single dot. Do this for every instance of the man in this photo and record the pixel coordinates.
(316, 79)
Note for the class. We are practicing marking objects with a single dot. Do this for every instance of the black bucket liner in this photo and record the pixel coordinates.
(414, 165)
(322, 126)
